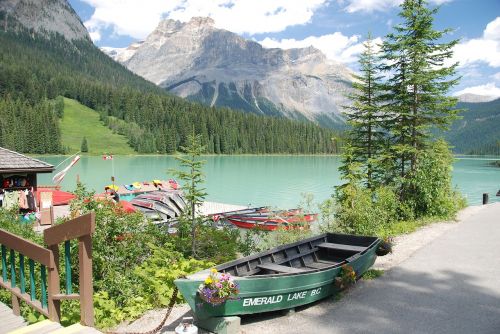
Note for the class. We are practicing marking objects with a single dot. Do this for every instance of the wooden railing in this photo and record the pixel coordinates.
(47, 298)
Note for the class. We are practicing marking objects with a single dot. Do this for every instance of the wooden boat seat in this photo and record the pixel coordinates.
(330, 245)
(319, 265)
(297, 256)
(279, 268)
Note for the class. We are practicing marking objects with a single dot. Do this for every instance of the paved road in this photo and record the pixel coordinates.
(452, 285)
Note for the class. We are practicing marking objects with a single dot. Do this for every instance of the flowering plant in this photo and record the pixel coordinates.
(217, 288)
(347, 277)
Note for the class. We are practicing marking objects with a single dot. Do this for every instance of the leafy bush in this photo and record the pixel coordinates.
(365, 211)
(134, 262)
(216, 245)
(160, 270)
(429, 190)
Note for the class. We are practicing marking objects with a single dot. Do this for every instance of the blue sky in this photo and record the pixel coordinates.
(337, 27)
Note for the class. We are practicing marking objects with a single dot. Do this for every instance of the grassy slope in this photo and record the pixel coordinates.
(80, 121)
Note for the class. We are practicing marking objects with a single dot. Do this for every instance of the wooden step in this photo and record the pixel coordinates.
(42, 327)
(76, 329)
(9, 321)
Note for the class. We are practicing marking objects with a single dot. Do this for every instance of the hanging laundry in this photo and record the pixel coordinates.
(11, 199)
(31, 201)
(23, 200)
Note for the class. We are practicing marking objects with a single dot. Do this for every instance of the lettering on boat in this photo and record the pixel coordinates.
(262, 300)
(297, 295)
(277, 299)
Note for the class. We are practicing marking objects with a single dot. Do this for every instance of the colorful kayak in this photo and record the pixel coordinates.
(286, 276)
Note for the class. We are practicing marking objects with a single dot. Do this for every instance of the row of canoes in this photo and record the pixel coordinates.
(164, 203)
(161, 205)
(269, 220)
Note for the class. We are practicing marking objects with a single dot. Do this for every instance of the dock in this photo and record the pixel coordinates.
(210, 208)
(206, 208)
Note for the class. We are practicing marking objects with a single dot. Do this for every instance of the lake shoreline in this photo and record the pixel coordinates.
(456, 155)
(258, 180)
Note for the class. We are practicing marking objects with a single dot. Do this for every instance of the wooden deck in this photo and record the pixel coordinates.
(12, 324)
(210, 208)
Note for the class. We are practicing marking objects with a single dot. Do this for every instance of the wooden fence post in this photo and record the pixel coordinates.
(86, 288)
(54, 286)
(15, 305)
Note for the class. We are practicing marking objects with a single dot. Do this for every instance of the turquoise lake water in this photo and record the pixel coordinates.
(278, 181)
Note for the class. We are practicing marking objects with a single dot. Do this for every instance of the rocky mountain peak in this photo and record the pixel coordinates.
(52, 16)
(201, 21)
(198, 61)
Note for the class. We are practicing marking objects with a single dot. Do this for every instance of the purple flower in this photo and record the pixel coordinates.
(207, 293)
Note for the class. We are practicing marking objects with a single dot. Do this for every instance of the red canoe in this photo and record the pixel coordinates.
(126, 206)
(59, 197)
(272, 223)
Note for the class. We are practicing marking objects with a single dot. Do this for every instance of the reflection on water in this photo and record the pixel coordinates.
(277, 181)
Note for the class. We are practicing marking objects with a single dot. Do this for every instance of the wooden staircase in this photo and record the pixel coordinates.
(30, 272)
(14, 324)
(8, 320)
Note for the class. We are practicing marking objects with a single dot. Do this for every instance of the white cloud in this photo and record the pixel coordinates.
(496, 76)
(335, 46)
(95, 35)
(139, 18)
(489, 89)
(492, 30)
(485, 49)
(378, 5)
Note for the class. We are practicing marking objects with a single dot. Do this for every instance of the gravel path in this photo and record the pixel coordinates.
(322, 317)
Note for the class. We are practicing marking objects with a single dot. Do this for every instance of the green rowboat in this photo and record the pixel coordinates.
(286, 276)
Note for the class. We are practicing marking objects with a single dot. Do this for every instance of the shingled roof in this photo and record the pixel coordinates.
(13, 162)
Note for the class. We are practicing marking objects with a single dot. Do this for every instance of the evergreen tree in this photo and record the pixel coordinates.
(419, 81)
(84, 147)
(59, 106)
(193, 178)
(366, 137)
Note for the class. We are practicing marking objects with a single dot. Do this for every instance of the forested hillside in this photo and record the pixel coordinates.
(35, 69)
(478, 131)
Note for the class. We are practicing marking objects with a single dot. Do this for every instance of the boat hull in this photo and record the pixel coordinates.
(269, 225)
(275, 292)
(59, 197)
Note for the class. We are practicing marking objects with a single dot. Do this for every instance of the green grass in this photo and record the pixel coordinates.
(80, 121)
(372, 274)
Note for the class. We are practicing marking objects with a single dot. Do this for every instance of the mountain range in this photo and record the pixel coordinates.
(46, 54)
(478, 129)
(200, 62)
(197, 61)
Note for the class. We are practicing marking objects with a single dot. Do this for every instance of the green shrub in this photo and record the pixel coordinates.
(429, 189)
(365, 211)
(134, 262)
(159, 271)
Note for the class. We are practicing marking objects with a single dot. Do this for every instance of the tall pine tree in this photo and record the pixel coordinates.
(366, 137)
(419, 81)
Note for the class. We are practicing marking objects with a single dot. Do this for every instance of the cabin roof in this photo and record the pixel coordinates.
(14, 162)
